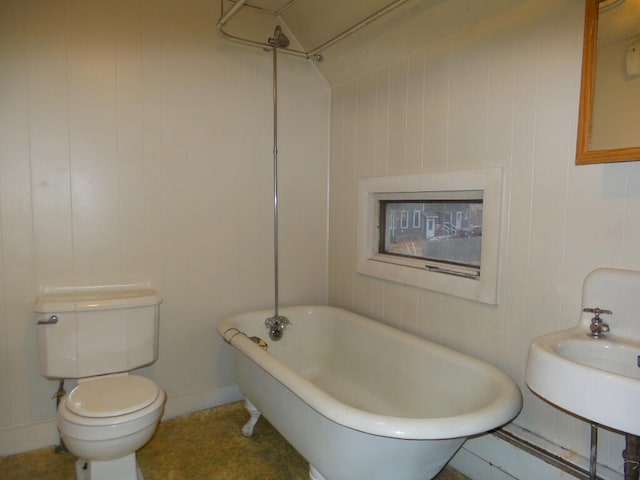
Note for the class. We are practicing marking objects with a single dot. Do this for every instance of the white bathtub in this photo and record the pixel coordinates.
(364, 401)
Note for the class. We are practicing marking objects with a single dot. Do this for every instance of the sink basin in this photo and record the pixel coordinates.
(598, 379)
(617, 356)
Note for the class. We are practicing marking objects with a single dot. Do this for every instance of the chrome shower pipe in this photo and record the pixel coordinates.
(277, 323)
(232, 11)
(225, 17)
(363, 23)
(275, 177)
(314, 53)
(266, 46)
(267, 10)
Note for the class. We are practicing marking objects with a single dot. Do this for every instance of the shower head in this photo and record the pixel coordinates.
(279, 39)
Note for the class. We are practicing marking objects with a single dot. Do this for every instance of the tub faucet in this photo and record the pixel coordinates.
(276, 326)
(598, 328)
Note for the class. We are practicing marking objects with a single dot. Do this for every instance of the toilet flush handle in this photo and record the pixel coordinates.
(49, 321)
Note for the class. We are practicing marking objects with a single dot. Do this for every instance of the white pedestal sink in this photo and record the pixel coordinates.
(595, 378)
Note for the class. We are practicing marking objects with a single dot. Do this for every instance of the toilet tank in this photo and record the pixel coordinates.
(97, 330)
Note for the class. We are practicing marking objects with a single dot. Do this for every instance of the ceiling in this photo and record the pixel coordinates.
(407, 29)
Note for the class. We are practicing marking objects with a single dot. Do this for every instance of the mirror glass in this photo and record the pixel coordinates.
(609, 121)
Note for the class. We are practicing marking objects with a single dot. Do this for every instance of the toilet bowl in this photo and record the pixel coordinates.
(104, 420)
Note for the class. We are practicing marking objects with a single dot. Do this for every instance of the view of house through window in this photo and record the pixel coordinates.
(447, 231)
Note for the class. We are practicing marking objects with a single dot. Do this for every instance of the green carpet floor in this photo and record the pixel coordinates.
(205, 445)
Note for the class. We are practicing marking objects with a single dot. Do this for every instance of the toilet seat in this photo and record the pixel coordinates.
(111, 396)
(104, 428)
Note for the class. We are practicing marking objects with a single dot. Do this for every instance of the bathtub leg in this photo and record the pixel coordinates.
(247, 430)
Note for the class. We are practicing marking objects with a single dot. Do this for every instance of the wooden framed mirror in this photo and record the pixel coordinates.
(609, 116)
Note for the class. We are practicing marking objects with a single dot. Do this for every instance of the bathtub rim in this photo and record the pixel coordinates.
(505, 405)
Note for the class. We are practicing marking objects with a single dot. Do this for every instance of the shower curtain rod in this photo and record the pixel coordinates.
(314, 53)
(271, 12)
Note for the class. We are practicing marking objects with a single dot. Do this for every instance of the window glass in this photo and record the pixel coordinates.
(447, 231)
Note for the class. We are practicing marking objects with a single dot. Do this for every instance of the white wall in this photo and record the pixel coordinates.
(503, 93)
(136, 145)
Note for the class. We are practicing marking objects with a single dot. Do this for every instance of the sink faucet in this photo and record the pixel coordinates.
(598, 328)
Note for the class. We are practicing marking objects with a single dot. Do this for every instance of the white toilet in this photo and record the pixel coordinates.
(97, 335)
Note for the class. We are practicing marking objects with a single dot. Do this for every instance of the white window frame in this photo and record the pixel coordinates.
(437, 276)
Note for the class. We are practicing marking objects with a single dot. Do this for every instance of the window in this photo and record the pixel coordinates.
(404, 219)
(452, 244)
(416, 219)
(457, 244)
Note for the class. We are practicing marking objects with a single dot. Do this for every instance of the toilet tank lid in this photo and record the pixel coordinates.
(77, 300)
